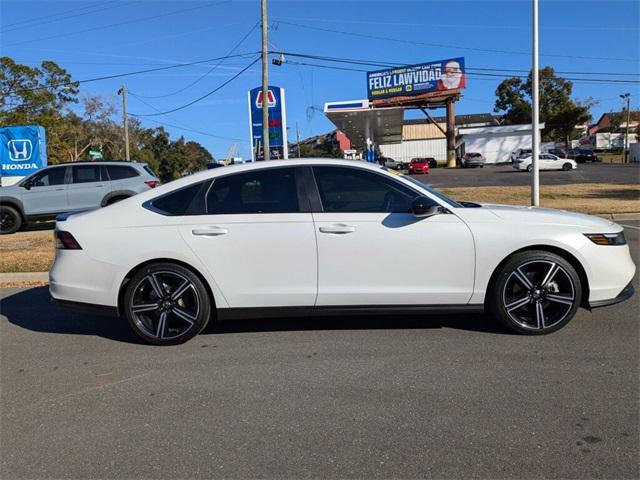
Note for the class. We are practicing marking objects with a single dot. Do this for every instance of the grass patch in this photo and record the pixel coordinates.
(582, 197)
(26, 252)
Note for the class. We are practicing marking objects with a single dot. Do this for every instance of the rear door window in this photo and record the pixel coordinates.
(271, 190)
(120, 172)
(86, 173)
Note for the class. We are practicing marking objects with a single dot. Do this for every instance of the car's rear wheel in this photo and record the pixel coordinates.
(566, 167)
(535, 292)
(116, 199)
(10, 220)
(167, 304)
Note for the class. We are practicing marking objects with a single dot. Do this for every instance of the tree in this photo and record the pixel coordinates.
(29, 95)
(197, 156)
(558, 110)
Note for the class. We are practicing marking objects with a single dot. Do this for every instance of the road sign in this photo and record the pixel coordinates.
(277, 123)
(95, 155)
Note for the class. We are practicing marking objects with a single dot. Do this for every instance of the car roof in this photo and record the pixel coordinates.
(108, 162)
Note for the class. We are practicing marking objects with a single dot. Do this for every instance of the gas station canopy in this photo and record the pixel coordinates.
(363, 124)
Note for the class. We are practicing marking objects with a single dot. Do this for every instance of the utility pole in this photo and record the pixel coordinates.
(298, 139)
(535, 107)
(123, 92)
(627, 97)
(265, 85)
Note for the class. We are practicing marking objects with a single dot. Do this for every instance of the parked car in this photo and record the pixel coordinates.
(520, 152)
(419, 165)
(302, 237)
(583, 155)
(558, 152)
(546, 161)
(472, 159)
(393, 164)
(71, 187)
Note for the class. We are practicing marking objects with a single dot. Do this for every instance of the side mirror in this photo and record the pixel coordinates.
(28, 184)
(424, 207)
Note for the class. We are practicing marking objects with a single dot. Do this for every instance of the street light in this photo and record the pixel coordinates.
(627, 97)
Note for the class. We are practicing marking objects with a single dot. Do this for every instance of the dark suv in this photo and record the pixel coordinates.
(71, 187)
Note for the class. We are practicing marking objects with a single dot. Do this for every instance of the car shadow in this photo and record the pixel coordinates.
(32, 310)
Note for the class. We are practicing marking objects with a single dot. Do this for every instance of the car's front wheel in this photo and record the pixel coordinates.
(166, 304)
(10, 220)
(535, 292)
(566, 167)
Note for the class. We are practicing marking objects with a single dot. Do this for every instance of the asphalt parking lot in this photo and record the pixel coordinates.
(505, 175)
(379, 397)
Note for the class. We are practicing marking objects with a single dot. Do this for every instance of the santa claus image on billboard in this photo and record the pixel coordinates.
(452, 77)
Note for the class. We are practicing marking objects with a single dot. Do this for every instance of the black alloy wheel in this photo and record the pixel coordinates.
(10, 220)
(535, 293)
(166, 304)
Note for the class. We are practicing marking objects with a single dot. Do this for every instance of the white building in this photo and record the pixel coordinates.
(475, 133)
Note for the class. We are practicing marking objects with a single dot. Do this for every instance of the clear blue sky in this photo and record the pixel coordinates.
(606, 29)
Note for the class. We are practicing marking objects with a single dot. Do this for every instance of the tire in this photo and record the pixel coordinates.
(173, 304)
(113, 200)
(567, 166)
(529, 168)
(523, 303)
(10, 220)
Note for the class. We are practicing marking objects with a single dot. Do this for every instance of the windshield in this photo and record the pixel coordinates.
(441, 196)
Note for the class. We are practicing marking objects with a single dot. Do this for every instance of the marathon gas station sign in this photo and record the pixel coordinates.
(22, 150)
(437, 76)
(277, 123)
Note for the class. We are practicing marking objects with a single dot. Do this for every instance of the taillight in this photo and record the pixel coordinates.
(66, 241)
(152, 183)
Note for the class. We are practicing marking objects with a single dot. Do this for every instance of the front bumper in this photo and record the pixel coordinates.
(626, 293)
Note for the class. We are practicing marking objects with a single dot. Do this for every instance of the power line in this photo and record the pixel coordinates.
(53, 20)
(55, 15)
(128, 22)
(184, 127)
(378, 63)
(222, 85)
(441, 45)
(137, 72)
(481, 76)
(235, 47)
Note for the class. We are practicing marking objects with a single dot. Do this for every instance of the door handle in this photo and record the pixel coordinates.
(59, 189)
(209, 232)
(338, 228)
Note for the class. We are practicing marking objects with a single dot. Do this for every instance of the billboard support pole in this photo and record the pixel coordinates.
(451, 134)
(535, 110)
(265, 85)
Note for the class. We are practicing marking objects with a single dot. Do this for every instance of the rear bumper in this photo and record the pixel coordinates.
(87, 308)
(626, 293)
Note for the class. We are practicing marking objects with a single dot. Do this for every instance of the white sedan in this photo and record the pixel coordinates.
(547, 161)
(308, 237)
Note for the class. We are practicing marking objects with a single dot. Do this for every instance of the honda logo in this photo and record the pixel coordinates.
(20, 150)
(271, 99)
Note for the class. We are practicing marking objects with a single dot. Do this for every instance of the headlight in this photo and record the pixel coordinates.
(607, 238)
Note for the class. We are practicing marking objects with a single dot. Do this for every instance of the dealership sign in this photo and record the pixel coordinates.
(277, 123)
(417, 79)
(22, 150)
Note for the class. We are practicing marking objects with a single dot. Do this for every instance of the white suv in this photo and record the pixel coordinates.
(71, 187)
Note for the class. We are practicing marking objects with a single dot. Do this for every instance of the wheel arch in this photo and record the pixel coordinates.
(14, 203)
(142, 265)
(568, 256)
(114, 194)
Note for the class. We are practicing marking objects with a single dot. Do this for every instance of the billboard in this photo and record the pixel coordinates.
(277, 123)
(22, 150)
(417, 79)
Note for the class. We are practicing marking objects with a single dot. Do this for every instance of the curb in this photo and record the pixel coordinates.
(24, 277)
(620, 216)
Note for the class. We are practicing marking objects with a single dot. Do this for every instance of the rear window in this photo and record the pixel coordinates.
(147, 169)
(119, 172)
(185, 201)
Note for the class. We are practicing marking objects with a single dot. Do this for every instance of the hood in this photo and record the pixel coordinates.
(550, 216)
